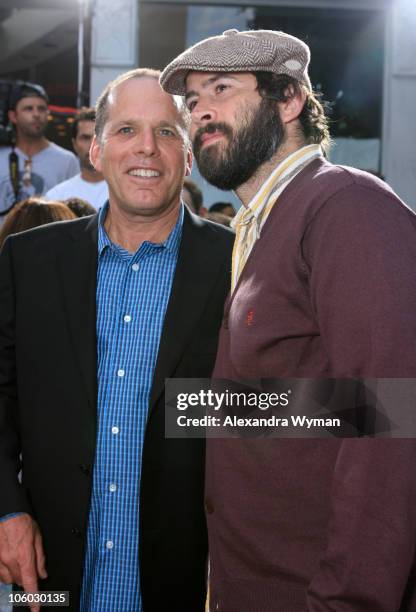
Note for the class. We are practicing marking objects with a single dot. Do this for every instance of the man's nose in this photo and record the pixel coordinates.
(204, 113)
(145, 143)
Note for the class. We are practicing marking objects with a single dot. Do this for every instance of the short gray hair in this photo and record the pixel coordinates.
(101, 107)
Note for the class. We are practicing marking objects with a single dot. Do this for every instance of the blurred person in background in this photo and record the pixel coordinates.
(220, 218)
(109, 306)
(193, 198)
(224, 208)
(32, 213)
(80, 207)
(34, 165)
(89, 184)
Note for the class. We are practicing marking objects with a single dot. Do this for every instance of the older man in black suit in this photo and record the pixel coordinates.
(95, 314)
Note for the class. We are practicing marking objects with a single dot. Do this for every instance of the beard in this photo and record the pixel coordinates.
(86, 164)
(33, 131)
(253, 141)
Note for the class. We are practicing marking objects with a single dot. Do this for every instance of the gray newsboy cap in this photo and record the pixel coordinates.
(234, 51)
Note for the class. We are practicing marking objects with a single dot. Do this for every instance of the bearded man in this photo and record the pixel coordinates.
(323, 286)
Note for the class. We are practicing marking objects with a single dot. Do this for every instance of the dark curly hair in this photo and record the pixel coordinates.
(314, 123)
(84, 114)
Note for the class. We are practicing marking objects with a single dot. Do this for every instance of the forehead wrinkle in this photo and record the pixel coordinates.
(165, 104)
(172, 106)
(210, 80)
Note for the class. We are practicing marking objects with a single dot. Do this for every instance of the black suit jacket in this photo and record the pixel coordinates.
(48, 403)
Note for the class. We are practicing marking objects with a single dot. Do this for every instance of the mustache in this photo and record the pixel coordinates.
(210, 129)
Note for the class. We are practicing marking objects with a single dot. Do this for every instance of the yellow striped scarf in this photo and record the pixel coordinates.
(249, 221)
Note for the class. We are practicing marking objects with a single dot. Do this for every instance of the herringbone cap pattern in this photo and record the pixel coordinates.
(234, 51)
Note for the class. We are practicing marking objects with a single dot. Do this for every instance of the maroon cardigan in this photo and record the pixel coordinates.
(329, 290)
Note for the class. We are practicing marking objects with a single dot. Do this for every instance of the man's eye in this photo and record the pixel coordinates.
(191, 105)
(220, 87)
(125, 130)
(166, 132)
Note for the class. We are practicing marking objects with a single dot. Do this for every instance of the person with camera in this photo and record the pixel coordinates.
(33, 164)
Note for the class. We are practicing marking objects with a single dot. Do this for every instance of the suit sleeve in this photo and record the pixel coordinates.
(12, 498)
(361, 255)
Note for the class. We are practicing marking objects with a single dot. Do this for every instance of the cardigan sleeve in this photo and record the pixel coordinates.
(370, 551)
(360, 250)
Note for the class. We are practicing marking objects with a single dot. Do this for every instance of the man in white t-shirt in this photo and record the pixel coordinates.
(35, 165)
(89, 184)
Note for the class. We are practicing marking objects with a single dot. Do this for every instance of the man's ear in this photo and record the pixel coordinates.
(12, 116)
(292, 107)
(189, 162)
(95, 154)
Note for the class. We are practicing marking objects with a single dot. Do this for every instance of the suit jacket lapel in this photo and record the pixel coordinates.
(77, 263)
(196, 270)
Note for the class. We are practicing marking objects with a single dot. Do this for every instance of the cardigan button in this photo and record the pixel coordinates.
(76, 532)
(209, 508)
(85, 469)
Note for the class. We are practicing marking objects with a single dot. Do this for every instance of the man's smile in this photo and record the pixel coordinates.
(144, 173)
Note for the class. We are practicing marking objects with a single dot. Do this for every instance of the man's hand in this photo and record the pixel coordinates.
(22, 559)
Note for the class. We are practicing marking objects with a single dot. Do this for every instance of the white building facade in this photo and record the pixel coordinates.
(363, 58)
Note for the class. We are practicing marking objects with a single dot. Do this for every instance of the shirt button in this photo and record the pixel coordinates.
(135, 267)
(115, 430)
(112, 487)
(109, 544)
(120, 373)
(127, 318)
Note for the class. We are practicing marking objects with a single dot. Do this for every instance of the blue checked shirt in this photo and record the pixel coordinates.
(132, 297)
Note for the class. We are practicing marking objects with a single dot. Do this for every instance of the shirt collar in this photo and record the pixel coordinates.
(171, 243)
(103, 239)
